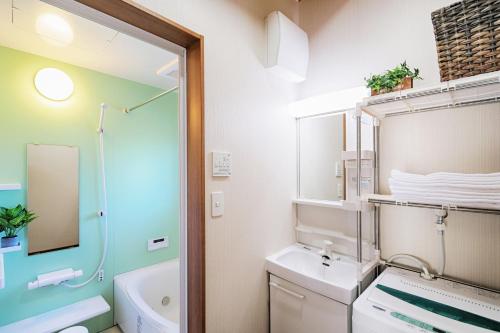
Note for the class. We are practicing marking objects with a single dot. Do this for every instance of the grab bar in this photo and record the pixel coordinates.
(289, 292)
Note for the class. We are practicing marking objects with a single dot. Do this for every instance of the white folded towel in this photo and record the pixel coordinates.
(449, 195)
(474, 190)
(446, 201)
(452, 178)
(432, 185)
(444, 189)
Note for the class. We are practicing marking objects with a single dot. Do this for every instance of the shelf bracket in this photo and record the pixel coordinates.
(2, 272)
(401, 203)
(357, 111)
(4, 250)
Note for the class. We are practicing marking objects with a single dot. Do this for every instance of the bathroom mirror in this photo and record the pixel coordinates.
(53, 195)
(321, 141)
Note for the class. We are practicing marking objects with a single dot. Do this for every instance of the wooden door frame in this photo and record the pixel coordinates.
(151, 22)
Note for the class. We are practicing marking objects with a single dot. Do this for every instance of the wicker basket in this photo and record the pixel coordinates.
(467, 38)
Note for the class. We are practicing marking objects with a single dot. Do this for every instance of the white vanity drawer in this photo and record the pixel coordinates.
(294, 309)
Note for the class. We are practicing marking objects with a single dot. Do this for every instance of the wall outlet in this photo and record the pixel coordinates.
(157, 243)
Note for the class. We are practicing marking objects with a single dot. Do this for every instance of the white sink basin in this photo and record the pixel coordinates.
(304, 266)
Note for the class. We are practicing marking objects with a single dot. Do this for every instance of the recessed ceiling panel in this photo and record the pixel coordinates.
(136, 52)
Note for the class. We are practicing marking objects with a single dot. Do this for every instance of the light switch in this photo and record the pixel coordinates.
(217, 204)
(221, 164)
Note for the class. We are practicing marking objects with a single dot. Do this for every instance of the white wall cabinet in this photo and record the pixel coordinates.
(294, 309)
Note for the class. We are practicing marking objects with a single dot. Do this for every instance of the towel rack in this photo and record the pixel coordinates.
(389, 200)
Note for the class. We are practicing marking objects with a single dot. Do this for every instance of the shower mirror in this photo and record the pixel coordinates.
(321, 140)
(53, 195)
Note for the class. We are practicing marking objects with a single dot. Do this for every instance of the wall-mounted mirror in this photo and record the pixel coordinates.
(53, 195)
(321, 170)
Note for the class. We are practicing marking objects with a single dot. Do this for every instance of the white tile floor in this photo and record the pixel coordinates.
(114, 329)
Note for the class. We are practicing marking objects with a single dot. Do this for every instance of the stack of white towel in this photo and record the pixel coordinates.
(471, 190)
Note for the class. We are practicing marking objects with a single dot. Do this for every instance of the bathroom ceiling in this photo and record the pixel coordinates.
(35, 27)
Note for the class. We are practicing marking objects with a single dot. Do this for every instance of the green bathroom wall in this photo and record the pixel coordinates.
(142, 173)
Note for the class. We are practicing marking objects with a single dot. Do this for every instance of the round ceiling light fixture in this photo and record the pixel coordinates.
(54, 84)
(54, 29)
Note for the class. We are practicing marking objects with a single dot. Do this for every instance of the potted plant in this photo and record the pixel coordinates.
(12, 220)
(399, 78)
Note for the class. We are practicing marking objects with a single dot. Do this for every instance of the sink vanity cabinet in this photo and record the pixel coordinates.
(309, 294)
(294, 309)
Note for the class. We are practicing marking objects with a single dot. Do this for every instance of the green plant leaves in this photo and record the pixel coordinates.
(14, 219)
(392, 78)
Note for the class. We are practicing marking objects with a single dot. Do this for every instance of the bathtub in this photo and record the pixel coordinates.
(147, 299)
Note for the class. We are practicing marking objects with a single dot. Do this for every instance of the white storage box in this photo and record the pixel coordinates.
(367, 173)
(287, 48)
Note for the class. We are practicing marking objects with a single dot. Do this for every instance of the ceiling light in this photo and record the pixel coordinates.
(54, 84)
(54, 29)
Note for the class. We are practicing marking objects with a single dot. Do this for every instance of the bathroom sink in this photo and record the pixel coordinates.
(304, 266)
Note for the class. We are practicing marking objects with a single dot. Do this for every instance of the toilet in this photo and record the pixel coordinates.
(75, 329)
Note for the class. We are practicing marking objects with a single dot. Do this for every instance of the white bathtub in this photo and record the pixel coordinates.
(139, 295)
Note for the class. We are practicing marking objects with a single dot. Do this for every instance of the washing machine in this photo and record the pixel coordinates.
(400, 301)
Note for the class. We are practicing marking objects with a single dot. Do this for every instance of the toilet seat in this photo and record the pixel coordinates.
(75, 329)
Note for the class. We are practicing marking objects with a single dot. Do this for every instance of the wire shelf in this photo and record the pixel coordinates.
(389, 200)
(477, 90)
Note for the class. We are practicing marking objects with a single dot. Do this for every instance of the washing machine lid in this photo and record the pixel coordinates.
(436, 306)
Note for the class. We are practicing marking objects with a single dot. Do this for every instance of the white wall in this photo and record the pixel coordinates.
(350, 39)
(246, 115)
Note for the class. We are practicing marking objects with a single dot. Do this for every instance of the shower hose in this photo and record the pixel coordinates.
(103, 214)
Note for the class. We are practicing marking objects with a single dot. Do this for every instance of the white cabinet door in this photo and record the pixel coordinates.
(298, 310)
